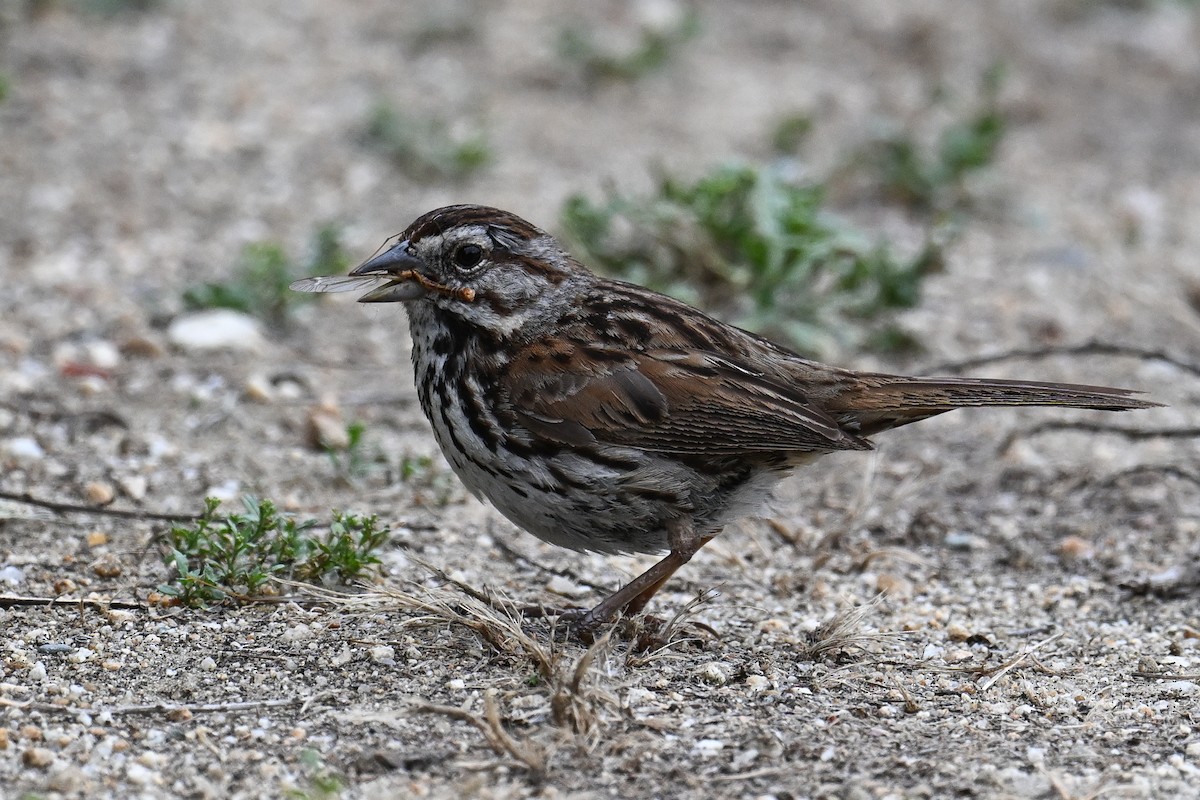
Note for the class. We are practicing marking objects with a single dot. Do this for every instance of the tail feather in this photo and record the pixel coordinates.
(881, 402)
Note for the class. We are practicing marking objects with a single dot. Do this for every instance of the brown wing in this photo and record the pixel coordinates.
(665, 400)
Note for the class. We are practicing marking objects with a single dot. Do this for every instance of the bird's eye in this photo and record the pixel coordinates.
(467, 256)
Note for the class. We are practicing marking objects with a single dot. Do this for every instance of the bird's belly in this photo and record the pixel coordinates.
(612, 500)
(569, 502)
(603, 498)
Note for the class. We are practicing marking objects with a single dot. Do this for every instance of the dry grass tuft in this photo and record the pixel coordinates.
(844, 632)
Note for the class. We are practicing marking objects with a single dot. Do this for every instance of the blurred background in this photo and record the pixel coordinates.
(852, 178)
(891, 185)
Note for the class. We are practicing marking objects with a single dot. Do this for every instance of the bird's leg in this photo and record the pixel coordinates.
(633, 596)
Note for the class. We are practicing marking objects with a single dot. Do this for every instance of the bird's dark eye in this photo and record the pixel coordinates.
(468, 255)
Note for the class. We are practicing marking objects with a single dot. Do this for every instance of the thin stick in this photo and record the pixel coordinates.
(1166, 676)
(1013, 663)
(489, 725)
(13, 600)
(1087, 348)
(164, 708)
(75, 508)
(1094, 427)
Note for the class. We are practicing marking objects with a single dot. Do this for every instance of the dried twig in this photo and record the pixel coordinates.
(1167, 676)
(532, 756)
(166, 709)
(1156, 470)
(844, 631)
(13, 600)
(1095, 427)
(1087, 348)
(75, 508)
(996, 673)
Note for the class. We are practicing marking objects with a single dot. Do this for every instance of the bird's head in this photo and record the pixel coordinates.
(487, 266)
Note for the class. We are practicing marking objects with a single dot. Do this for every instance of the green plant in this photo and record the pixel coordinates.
(110, 8)
(260, 283)
(415, 466)
(790, 131)
(934, 181)
(757, 249)
(350, 462)
(655, 47)
(430, 483)
(323, 782)
(426, 148)
(101, 8)
(242, 556)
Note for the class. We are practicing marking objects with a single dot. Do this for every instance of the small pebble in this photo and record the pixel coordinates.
(957, 632)
(81, 655)
(140, 775)
(96, 538)
(561, 585)
(99, 493)
(1074, 547)
(208, 664)
(24, 448)
(107, 566)
(325, 429)
(344, 656)
(226, 491)
(102, 353)
(134, 486)
(119, 616)
(141, 347)
(757, 683)
(1179, 688)
(714, 673)
(11, 575)
(383, 654)
(957, 540)
(38, 757)
(298, 633)
(258, 389)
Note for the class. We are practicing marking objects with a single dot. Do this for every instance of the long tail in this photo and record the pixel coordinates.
(880, 402)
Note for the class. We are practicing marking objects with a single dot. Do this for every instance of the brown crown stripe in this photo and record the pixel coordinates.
(443, 219)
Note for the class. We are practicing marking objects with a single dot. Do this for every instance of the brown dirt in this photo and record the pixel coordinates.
(1014, 656)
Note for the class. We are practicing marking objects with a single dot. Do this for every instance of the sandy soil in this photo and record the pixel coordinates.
(1014, 653)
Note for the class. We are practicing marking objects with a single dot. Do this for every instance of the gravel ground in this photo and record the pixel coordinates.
(1037, 632)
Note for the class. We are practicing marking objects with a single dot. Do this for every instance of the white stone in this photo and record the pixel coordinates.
(24, 448)
(79, 656)
(11, 575)
(383, 654)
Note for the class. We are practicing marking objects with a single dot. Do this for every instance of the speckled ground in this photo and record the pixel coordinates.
(1015, 653)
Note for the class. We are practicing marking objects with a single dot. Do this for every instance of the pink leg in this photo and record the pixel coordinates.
(633, 596)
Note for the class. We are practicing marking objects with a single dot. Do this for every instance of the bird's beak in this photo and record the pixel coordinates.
(398, 263)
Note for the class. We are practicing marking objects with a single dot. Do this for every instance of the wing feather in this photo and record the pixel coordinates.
(665, 400)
